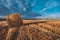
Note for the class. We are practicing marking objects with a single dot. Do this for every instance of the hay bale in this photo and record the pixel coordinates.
(14, 20)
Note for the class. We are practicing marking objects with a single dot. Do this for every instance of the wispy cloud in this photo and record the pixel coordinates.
(49, 5)
(34, 2)
(9, 2)
(43, 10)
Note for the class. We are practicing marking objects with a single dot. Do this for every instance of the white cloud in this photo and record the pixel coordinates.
(34, 2)
(2, 16)
(9, 3)
(54, 15)
(43, 10)
(24, 9)
(49, 4)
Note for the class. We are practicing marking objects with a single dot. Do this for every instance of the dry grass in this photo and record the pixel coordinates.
(35, 30)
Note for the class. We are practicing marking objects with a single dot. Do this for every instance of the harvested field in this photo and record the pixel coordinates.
(33, 30)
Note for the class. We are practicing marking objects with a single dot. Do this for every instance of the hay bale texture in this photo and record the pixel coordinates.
(14, 20)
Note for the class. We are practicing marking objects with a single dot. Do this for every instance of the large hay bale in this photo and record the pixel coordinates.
(14, 20)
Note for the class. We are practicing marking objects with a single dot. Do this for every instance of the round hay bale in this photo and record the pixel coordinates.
(14, 20)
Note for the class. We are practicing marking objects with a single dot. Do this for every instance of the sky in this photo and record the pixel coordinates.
(31, 9)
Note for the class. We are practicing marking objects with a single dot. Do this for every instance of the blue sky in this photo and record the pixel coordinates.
(31, 8)
(48, 8)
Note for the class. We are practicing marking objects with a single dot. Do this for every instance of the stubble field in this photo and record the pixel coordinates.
(33, 30)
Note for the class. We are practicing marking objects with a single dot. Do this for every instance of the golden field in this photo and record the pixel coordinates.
(32, 30)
